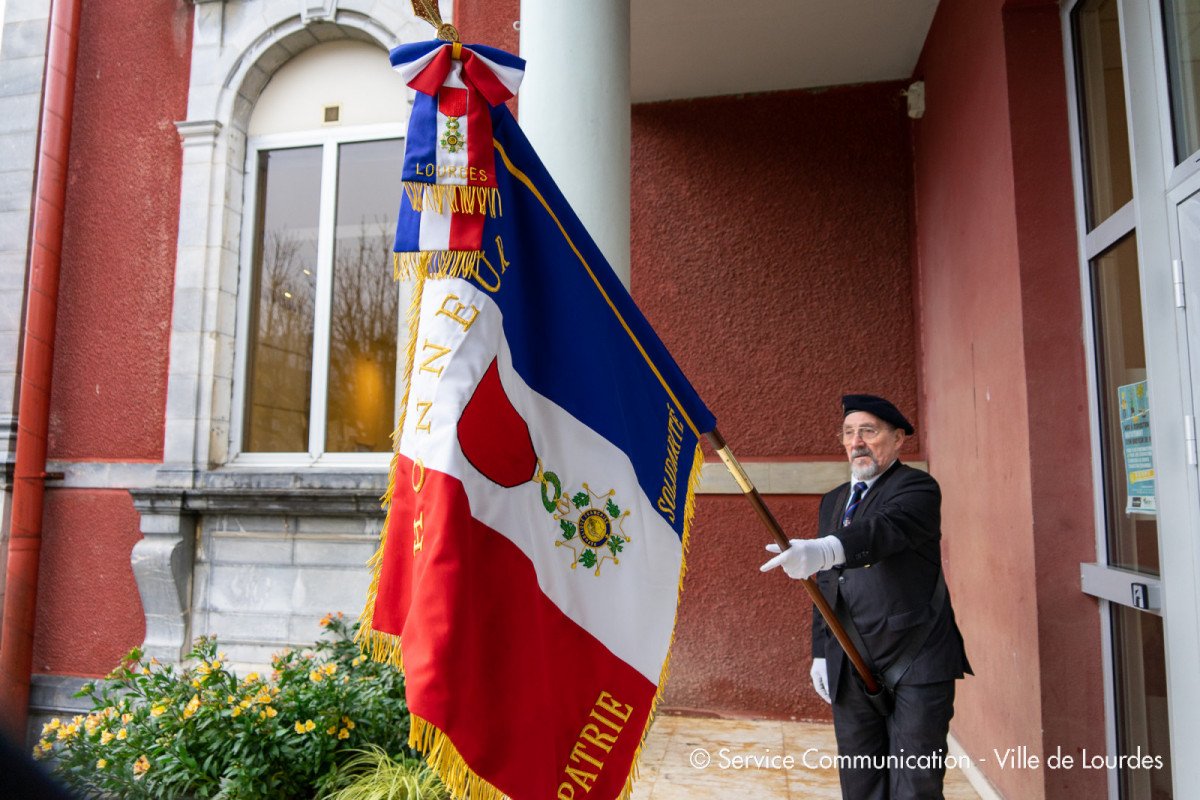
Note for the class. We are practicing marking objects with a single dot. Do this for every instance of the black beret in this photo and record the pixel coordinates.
(877, 406)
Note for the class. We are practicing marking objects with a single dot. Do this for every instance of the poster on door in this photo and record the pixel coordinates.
(1135, 437)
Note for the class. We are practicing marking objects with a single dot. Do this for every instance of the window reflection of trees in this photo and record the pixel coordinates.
(362, 347)
(282, 354)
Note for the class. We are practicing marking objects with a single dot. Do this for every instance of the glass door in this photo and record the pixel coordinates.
(1114, 239)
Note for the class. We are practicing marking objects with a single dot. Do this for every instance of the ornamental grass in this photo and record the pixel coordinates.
(202, 732)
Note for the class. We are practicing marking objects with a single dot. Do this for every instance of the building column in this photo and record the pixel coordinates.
(574, 107)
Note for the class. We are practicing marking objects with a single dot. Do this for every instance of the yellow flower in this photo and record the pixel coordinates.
(126, 718)
(325, 620)
(314, 676)
(54, 723)
(145, 671)
(101, 764)
(122, 734)
(330, 668)
(191, 707)
(349, 723)
(237, 712)
(157, 711)
(331, 730)
(246, 702)
(358, 661)
(106, 737)
(47, 729)
(343, 734)
(195, 683)
(305, 727)
(141, 766)
(270, 712)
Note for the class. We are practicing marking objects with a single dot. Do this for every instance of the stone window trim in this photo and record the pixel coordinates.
(163, 560)
(237, 45)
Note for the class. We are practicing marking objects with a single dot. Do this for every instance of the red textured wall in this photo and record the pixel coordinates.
(89, 613)
(109, 389)
(489, 22)
(742, 639)
(771, 250)
(770, 239)
(1005, 390)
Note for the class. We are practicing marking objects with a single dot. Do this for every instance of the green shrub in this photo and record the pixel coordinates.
(202, 733)
(374, 775)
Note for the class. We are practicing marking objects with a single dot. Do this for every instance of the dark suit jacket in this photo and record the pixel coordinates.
(893, 557)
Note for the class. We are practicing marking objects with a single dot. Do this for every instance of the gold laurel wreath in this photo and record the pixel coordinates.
(428, 11)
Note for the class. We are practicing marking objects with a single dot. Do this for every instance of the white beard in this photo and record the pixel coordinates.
(863, 472)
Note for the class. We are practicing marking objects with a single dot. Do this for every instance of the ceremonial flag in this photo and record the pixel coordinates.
(546, 458)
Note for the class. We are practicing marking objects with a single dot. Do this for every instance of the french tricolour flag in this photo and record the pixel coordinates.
(542, 490)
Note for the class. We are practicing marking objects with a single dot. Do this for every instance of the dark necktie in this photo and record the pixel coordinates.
(856, 497)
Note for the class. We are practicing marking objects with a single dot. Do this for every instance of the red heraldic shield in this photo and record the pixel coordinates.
(493, 436)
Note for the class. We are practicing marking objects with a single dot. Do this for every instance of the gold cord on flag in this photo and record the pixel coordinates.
(428, 11)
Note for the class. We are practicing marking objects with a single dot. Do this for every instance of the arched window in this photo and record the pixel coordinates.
(318, 312)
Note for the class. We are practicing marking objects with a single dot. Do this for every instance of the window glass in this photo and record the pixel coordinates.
(365, 316)
(1121, 362)
(1181, 28)
(279, 370)
(1101, 80)
(1139, 661)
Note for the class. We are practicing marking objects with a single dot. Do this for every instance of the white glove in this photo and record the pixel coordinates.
(807, 556)
(820, 679)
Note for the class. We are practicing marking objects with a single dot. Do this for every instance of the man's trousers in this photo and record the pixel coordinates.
(901, 755)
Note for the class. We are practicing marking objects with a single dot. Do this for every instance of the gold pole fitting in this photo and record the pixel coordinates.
(735, 469)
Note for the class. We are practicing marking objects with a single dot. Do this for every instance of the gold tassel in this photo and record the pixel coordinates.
(442, 756)
(378, 645)
(436, 264)
(461, 199)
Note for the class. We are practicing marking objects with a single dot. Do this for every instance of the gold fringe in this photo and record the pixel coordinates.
(461, 199)
(441, 755)
(436, 264)
(378, 645)
(689, 512)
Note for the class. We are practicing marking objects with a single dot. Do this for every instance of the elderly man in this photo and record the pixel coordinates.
(879, 564)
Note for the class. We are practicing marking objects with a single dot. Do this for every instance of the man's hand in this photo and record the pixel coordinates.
(820, 679)
(806, 556)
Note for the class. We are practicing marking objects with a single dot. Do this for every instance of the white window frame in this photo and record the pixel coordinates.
(329, 139)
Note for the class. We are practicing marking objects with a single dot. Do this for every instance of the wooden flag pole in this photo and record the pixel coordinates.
(768, 519)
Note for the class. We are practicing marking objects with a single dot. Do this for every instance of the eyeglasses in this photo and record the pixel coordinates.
(867, 433)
